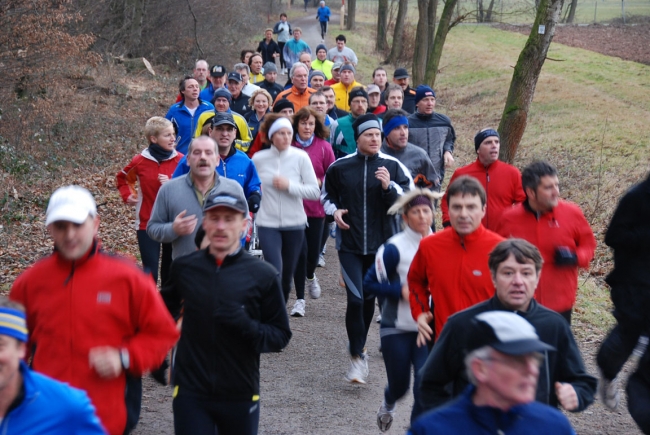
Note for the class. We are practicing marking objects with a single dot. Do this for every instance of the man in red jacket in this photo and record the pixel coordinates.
(558, 229)
(501, 181)
(97, 322)
(451, 266)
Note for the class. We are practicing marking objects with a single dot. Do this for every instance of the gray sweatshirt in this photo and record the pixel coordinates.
(173, 197)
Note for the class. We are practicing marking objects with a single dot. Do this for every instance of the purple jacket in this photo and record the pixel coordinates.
(321, 156)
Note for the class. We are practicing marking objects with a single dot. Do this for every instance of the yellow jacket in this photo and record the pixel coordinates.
(243, 141)
(341, 93)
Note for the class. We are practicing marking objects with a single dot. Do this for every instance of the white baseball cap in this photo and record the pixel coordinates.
(70, 203)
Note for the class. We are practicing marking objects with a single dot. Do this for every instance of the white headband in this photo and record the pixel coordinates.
(278, 124)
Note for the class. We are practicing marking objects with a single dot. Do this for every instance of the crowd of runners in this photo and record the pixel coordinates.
(475, 309)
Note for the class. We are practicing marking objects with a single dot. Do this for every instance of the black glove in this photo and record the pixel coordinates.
(564, 256)
(234, 317)
(254, 202)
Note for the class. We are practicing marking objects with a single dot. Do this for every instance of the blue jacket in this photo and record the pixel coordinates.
(207, 94)
(237, 166)
(185, 122)
(50, 408)
(463, 417)
(323, 13)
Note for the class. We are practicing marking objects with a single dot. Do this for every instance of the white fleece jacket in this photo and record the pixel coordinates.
(283, 208)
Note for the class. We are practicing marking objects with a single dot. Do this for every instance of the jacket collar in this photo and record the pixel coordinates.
(147, 155)
(472, 237)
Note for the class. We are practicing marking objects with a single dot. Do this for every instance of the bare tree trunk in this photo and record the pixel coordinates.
(479, 11)
(352, 13)
(488, 13)
(421, 49)
(524, 79)
(135, 39)
(436, 52)
(382, 25)
(396, 49)
(572, 11)
(433, 10)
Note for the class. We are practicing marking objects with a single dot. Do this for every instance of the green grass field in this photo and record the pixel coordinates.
(522, 11)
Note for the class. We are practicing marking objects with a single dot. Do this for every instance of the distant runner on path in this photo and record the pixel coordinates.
(323, 16)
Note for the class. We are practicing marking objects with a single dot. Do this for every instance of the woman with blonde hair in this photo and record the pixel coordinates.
(260, 103)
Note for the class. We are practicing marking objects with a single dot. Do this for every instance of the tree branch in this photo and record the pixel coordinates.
(196, 36)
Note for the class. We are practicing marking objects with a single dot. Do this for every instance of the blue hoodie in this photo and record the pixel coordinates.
(50, 407)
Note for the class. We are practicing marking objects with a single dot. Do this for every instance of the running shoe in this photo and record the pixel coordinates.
(298, 308)
(378, 319)
(385, 416)
(609, 392)
(313, 287)
(321, 260)
(358, 371)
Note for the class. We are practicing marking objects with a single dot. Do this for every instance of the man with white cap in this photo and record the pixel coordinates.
(233, 310)
(97, 321)
(503, 366)
(515, 266)
(358, 191)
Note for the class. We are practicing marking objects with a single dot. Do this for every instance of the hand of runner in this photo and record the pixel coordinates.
(566, 395)
(449, 159)
(106, 361)
(383, 175)
(338, 218)
(132, 200)
(184, 225)
(425, 333)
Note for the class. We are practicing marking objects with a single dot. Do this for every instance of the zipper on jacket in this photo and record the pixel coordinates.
(365, 208)
(487, 189)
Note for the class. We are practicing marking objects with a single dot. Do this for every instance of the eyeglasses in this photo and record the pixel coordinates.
(520, 362)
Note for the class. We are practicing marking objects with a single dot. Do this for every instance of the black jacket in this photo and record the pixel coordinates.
(629, 236)
(231, 313)
(272, 88)
(408, 103)
(350, 183)
(267, 50)
(337, 113)
(443, 376)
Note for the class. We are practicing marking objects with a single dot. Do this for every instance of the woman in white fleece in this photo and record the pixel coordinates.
(287, 177)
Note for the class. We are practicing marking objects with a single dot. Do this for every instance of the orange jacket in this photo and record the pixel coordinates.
(564, 226)
(502, 184)
(299, 100)
(453, 271)
(99, 300)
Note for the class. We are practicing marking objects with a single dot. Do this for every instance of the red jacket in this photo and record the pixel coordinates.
(502, 184)
(144, 170)
(564, 226)
(99, 300)
(452, 271)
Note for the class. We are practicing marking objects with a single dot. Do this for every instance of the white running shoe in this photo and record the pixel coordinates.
(609, 392)
(378, 319)
(313, 287)
(385, 416)
(298, 308)
(358, 371)
(321, 260)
